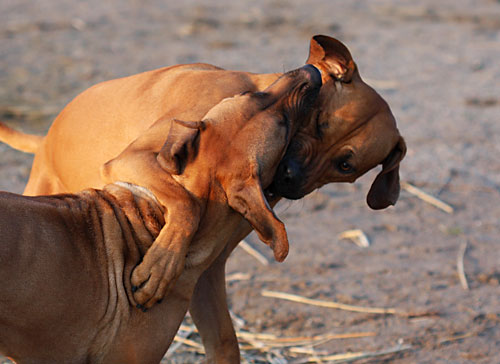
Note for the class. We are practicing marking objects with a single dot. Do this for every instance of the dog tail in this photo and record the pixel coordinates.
(27, 143)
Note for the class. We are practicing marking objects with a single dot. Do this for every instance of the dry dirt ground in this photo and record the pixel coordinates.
(435, 62)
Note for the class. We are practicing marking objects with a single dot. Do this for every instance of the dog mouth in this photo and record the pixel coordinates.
(275, 192)
(271, 195)
(283, 187)
(288, 178)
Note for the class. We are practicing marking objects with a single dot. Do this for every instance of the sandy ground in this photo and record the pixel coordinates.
(435, 62)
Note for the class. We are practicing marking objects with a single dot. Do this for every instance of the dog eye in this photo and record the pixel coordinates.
(344, 167)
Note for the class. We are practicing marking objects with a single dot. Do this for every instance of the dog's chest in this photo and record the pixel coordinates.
(215, 231)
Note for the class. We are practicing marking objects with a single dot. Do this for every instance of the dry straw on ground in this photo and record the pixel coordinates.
(253, 252)
(460, 265)
(345, 307)
(357, 236)
(424, 196)
(268, 348)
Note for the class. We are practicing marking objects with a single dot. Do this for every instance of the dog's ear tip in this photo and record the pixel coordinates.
(280, 256)
(386, 187)
(379, 204)
(332, 55)
(378, 200)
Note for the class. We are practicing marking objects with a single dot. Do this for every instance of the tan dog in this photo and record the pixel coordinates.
(242, 141)
(66, 259)
(351, 130)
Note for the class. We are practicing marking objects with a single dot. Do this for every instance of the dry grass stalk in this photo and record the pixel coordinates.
(424, 196)
(188, 342)
(328, 304)
(238, 322)
(180, 338)
(460, 266)
(264, 343)
(254, 253)
(185, 327)
(349, 357)
(357, 236)
(238, 276)
(269, 348)
(270, 341)
(346, 307)
(457, 337)
(301, 350)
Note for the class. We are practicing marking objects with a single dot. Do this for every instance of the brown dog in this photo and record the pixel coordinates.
(66, 259)
(351, 130)
(242, 141)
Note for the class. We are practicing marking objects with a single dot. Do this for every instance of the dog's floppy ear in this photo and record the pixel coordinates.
(332, 57)
(181, 145)
(385, 189)
(247, 198)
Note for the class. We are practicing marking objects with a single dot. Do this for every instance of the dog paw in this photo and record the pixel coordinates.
(155, 276)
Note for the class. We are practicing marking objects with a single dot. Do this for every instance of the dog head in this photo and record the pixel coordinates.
(240, 143)
(250, 126)
(351, 131)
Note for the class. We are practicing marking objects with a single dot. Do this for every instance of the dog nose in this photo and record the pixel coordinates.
(290, 172)
(287, 181)
(312, 74)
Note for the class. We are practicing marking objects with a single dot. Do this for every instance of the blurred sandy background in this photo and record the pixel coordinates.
(437, 65)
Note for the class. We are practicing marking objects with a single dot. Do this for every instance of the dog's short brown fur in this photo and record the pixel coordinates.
(229, 158)
(64, 263)
(65, 260)
(351, 130)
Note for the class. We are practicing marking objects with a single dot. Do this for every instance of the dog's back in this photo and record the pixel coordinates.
(47, 279)
(65, 263)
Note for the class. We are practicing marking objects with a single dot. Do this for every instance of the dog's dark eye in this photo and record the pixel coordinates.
(344, 167)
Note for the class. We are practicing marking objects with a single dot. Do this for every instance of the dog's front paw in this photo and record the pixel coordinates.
(155, 276)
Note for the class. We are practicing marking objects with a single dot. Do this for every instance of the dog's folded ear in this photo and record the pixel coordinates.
(385, 188)
(247, 198)
(181, 145)
(331, 56)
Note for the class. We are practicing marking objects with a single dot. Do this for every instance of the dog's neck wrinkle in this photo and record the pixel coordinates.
(126, 222)
(311, 127)
(138, 190)
(142, 210)
(97, 213)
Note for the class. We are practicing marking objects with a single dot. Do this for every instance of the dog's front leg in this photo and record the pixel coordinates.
(165, 259)
(211, 316)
